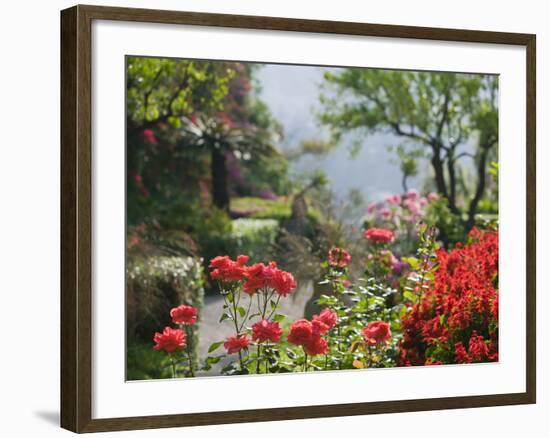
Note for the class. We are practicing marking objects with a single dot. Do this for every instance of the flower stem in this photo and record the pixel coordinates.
(174, 375)
(241, 360)
(189, 355)
(236, 322)
(258, 361)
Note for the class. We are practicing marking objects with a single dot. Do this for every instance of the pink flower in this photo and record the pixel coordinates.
(385, 213)
(372, 207)
(379, 235)
(236, 343)
(432, 196)
(169, 340)
(423, 202)
(184, 314)
(266, 331)
(149, 137)
(412, 206)
(412, 194)
(394, 199)
(377, 332)
(338, 257)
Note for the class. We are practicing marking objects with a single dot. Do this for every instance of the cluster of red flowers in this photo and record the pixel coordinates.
(308, 334)
(456, 320)
(379, 235)
(338, 257)
(255, 277)
(227, 270)
(377, 332)
(171, 339)
(259, 276)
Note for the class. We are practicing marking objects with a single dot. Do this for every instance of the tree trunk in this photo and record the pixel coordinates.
(437, 164)
(480, 187)
(220, 189)
(404, 182)
(452, 178)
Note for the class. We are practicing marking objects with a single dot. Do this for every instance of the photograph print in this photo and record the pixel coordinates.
(297, 219)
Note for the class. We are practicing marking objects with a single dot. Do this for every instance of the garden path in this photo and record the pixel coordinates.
(211, 330)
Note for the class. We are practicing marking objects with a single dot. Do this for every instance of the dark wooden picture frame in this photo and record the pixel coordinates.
(76, 214)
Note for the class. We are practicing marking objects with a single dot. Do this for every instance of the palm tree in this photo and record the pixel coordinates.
(219, 136)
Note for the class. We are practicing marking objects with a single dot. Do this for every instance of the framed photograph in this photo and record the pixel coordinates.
(270, 219)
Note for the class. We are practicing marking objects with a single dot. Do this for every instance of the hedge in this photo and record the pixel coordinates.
(254, 237)
(154, 285)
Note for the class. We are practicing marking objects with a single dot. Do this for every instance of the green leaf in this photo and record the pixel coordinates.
(409, 296)
(241, 311)
(214, 346)
(225, 316)
(279, 317)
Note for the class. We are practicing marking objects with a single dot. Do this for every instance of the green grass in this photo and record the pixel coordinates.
(263, 208)
(259, 208)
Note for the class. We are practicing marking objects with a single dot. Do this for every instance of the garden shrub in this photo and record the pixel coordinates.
(155, 284)
(255, 237)
(455, 319)
(143, 363)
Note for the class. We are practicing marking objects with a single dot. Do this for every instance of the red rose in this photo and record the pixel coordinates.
(338, 257)
(379, 235)
(283, 282)
(316, 345)
(169, 340)
(300, 332)
(227, 270)
(236, 343)
(327, 317)
(319, 327)
(184, 314)
(377, 332)
(260, 276)
(266, 331)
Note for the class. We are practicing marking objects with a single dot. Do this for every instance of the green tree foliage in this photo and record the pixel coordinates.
(183, 119)
(437, 112)
(163, 90)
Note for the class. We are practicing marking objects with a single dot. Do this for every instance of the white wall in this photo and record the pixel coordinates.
(29, 213)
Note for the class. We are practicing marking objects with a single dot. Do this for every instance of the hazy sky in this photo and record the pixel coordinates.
(292, 93)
